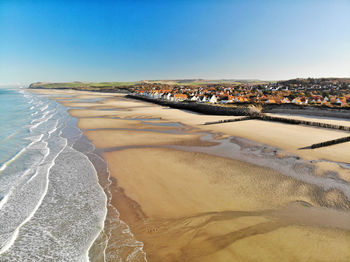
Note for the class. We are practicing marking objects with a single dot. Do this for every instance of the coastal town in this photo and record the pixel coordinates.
(304, 92)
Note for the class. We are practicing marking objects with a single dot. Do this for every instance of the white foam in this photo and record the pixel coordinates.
(3, 167)
(101, 226)
(39, 123)
(138, 245)
(44, 108)
(6, 197)
(14, 235)
(54, 129)
(4, 200)
(41, 118)
(28, 238)
(9, 242)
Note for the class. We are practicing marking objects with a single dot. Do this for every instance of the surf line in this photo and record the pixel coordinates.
(14, 235)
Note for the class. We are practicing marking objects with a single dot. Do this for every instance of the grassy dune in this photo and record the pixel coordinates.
(83, 85)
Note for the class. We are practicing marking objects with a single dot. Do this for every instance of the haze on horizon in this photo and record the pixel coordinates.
(133, 40)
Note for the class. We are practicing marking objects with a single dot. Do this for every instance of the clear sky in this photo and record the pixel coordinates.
(140, 39)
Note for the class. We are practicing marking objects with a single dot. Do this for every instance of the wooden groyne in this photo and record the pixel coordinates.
(301, 122)
(228, 120)
(329, 143)
(282, 120)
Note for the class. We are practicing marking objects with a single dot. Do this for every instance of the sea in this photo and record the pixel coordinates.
(52, 207)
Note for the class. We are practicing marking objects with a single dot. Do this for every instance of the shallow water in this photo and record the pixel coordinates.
(168, 124)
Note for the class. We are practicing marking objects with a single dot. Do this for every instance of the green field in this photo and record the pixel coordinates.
(82, 85)
(100, 86)
(202, 82)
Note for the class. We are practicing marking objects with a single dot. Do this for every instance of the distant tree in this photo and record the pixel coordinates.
(325, 94)
(292, 96)
(308, 94)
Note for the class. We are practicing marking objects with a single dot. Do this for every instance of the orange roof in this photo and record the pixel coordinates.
(180, 96)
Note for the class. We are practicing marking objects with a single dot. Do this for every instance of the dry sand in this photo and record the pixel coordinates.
(188, 206)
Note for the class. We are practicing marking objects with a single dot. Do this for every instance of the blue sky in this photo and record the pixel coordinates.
(139, 39)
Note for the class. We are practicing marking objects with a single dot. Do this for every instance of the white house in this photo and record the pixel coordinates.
(194, 98)
(213, 99)
(285, 100)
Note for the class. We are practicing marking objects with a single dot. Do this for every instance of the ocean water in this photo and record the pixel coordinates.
(52, 207)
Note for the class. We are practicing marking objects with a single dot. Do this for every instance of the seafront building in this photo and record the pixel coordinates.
(330, 96)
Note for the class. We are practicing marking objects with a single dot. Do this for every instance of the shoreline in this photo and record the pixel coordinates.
(168, 200)
(43, 194)
(111, 223)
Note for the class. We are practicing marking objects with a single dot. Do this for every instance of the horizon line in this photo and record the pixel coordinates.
(174, 79)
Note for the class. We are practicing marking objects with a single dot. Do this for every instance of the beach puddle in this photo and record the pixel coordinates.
(168, 124)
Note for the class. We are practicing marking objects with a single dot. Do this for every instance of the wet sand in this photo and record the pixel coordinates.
(196, 206)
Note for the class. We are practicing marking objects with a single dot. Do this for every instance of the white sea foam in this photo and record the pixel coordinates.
(53, 129)
(9, 242)
(9, 192)
(3, 167)
(101, 226)
(41, 118)
(39, 123)
(56, 177)
(44, 108)
(14, 235)
(137, 245)
(3, 200)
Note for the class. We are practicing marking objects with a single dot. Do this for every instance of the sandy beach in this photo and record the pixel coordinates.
(187, 202)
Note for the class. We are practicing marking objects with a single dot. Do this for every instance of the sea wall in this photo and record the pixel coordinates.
(243, 110)
(248, 114)
(323, 111)
(197, 107)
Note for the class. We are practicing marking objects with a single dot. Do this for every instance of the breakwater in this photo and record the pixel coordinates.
(301, 122)
(228, 120)
(329, 143)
